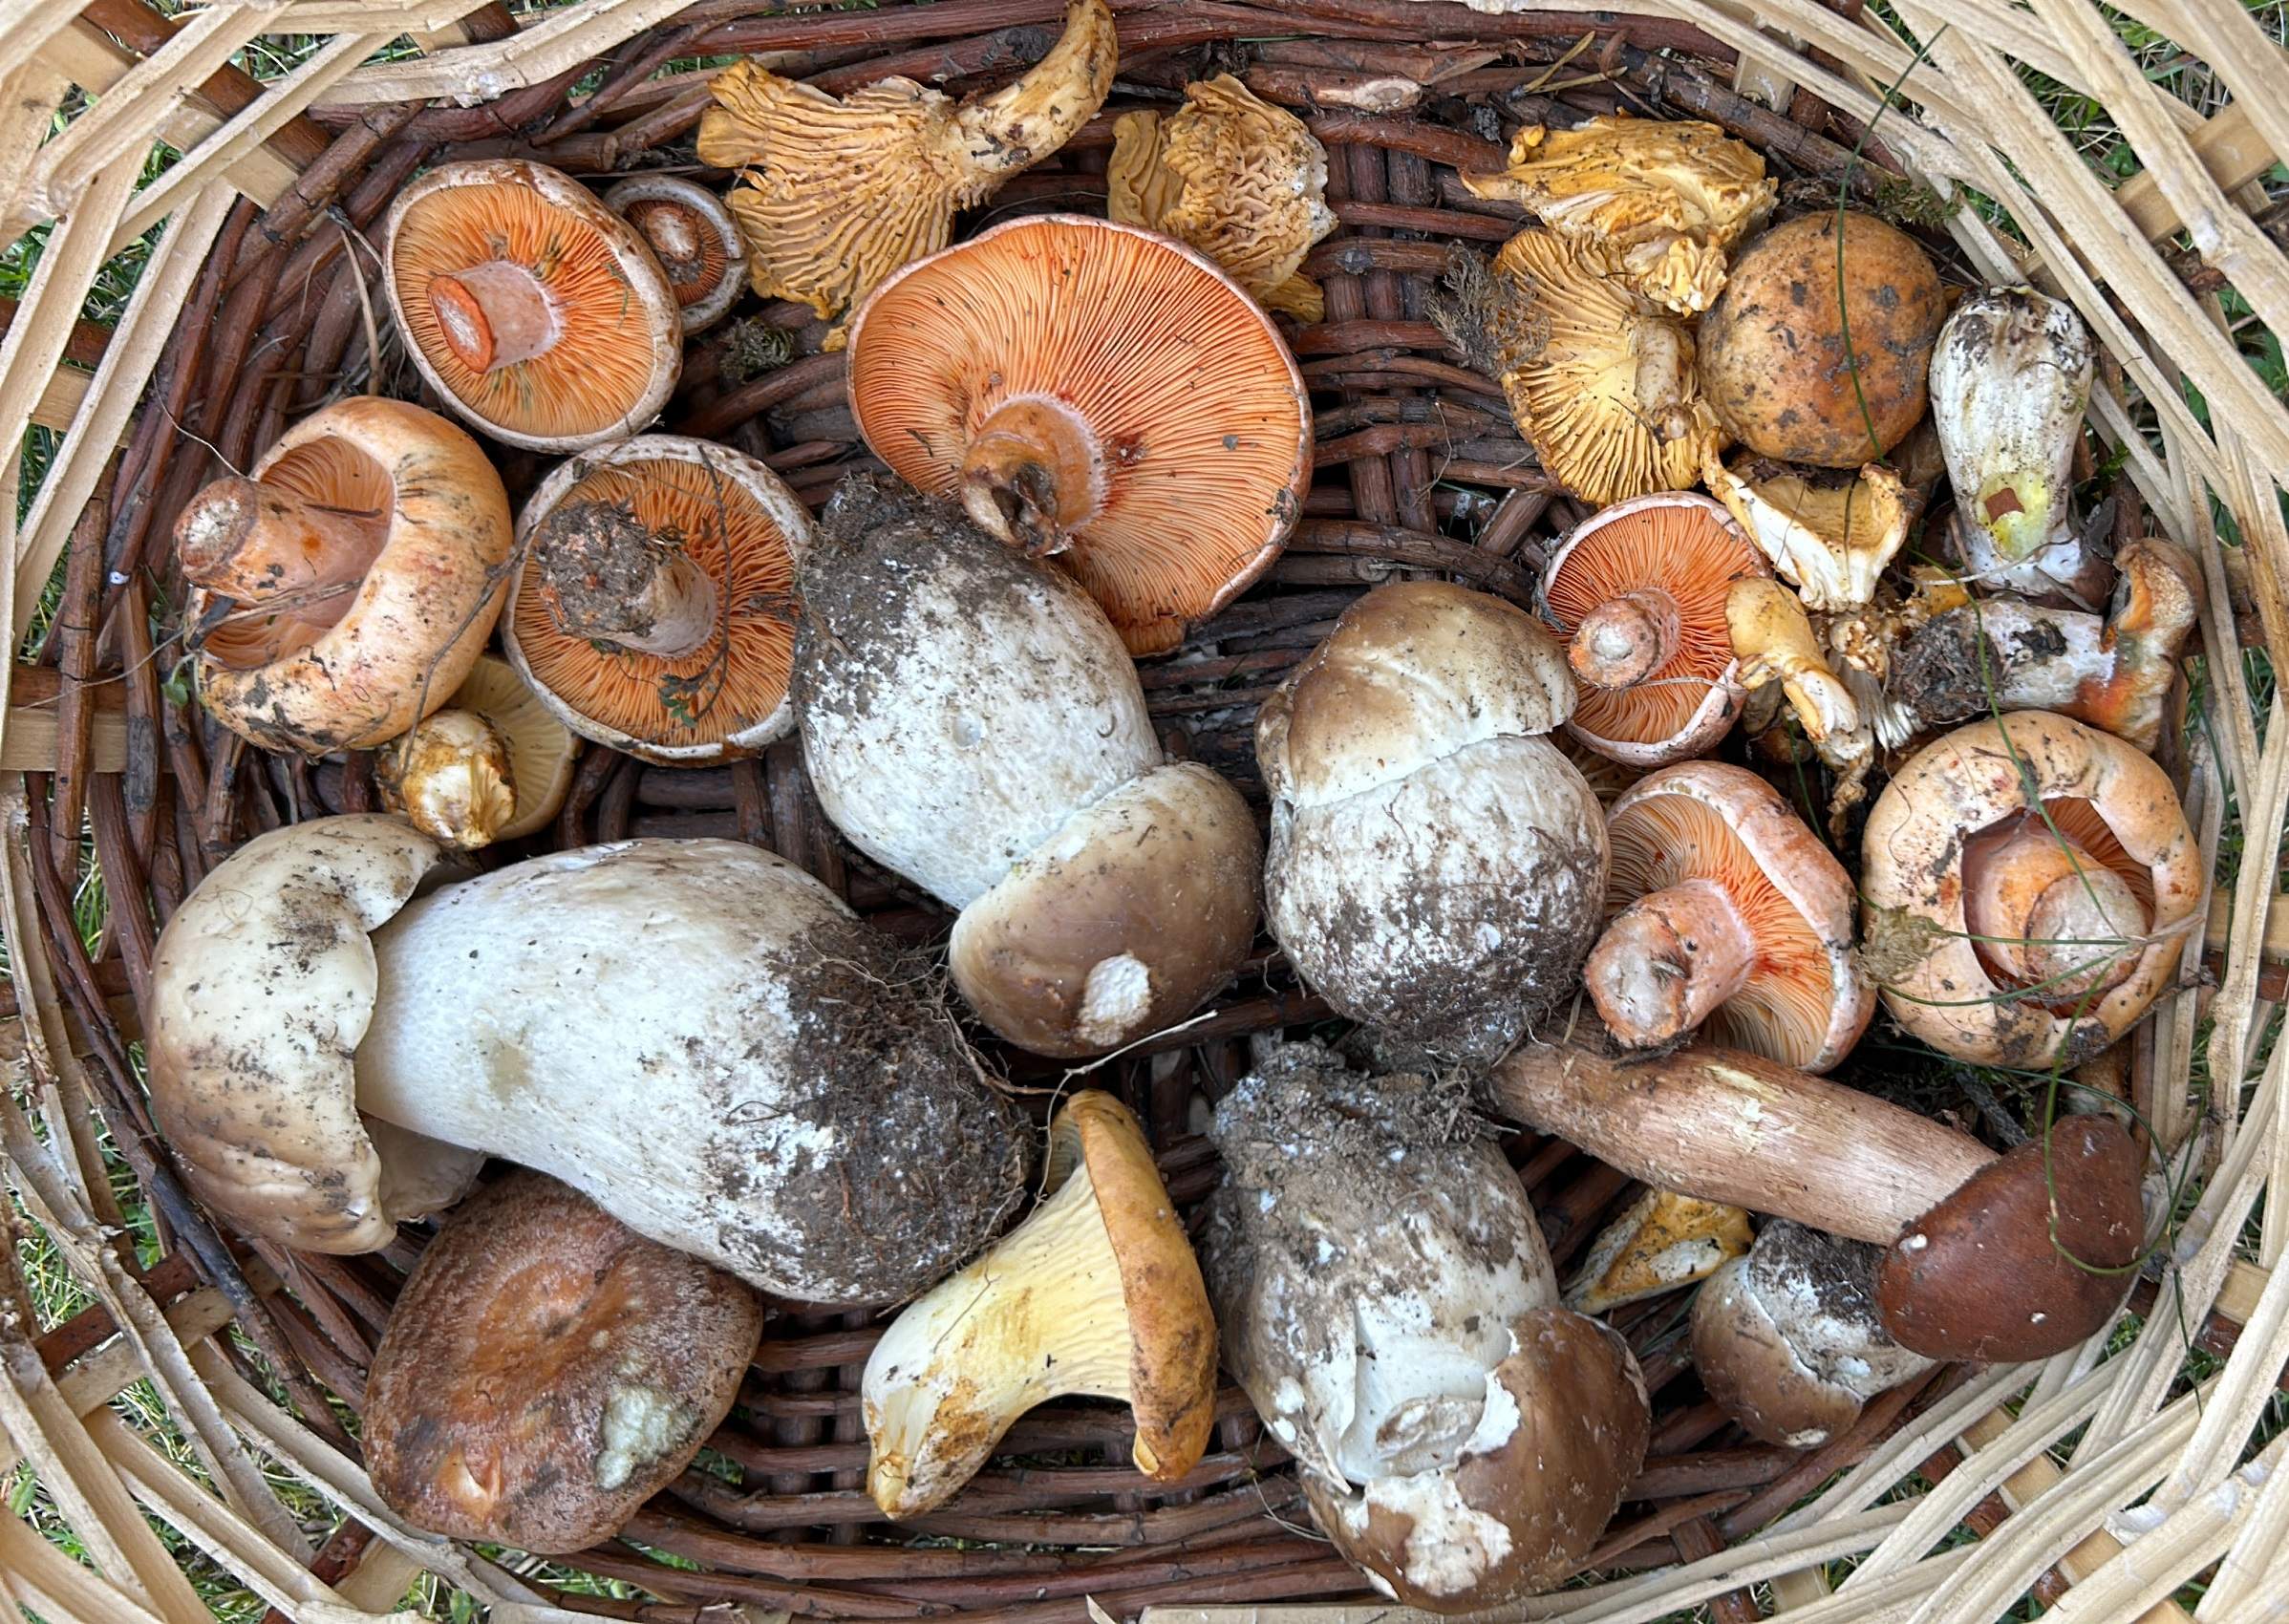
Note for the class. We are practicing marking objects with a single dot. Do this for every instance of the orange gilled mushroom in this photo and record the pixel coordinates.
(1098, 392)
(1640, 588)
(655, 608)
(538, 313)
(693, 235)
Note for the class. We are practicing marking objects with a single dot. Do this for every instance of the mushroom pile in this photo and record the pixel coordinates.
(1817, 710)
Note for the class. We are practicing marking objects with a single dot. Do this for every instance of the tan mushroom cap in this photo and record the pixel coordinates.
(545, 1370)
(1099, 391)
(1992, 773)
(1240, 180)
(693, 235)
(1829, 541)
(835, 195)
(538, 313)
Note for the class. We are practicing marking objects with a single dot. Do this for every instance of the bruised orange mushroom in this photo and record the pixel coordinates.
(691, 233)
(1098, 392)
(537, 312)
(1640, 589)
(655, 610)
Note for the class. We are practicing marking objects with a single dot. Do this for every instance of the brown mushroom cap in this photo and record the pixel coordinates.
(693, 235)
(538, 313)
(1098, 391)
(1994, 1272)
(1774, 358)
(545, 1370)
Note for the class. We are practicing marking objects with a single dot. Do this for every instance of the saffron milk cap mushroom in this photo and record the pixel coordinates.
(693, 235)
(1097, 1292)
(494, 765)
(342, 590)
(539, 314)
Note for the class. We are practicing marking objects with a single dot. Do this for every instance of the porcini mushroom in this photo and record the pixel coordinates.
(835, 195)
(1099, 392)
(2028, 881)
(2000, 1258)
(342, 590)
(1640, 590)
(1729, 915)
(1240, 180)
(654, 611)
(1670, 197)
(1828, 539)
(1661, 1241)
(536, 313)
(1388, 1305)
(1794, 375)
(1096, 1292)
(546, 1371)
(1436, 865)
(971, 721)
(693, 235)
(695, 1034)
(494, 765)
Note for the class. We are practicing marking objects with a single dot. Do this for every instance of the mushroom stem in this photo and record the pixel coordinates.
(256, 544)
(2047, 914)
(675, 234)
(1033, 474)
(1625, 640)
(494, 314)
(609, 578)
(1033, 115)
(1668, 960)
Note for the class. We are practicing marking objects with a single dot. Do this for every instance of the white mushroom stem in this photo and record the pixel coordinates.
(609, 579)
(1773, 637)
(1668, 960)
(452, 779)
(257, 544)
(1033, 474)
(1626, 639)
(494, 314)
(2047, 914)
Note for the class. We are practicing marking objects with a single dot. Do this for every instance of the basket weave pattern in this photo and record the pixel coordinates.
(259, 301)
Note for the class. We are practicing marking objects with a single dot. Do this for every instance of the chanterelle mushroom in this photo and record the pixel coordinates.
(1097, 1292)
(835, 195)
(1240, 180)
(343, 590)
(693, 235)
(1671, 197)
(1829, 541)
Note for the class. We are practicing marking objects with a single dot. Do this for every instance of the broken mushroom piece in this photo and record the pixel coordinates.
(1670, 197)
(695, 239)
(1661, 1241)
(341, 590)
(1095, 1292)
(835, 195)
(1388, 1305)
(1729, 915)
(539, 314)
(1640, 590)
(456, 788)
(2029, 884)
(1436, 865)
(1099, 392)
(1773, 638)
(546, 1371)
(1971, 1270)
(654, 611)
(1788, 1340)
(1829, 541)
(544, 1011)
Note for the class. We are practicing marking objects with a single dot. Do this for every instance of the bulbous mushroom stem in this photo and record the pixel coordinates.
(1668, 960)
(1033, 474)
(608, 578)
(451, 776)
(494, 314)
(2047, 915)
(1625, 640)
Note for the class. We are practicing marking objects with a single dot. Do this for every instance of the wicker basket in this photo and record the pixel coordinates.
(257, 302)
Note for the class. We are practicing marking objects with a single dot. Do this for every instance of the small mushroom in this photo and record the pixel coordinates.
(654, 611)
(835, 195)
(695, 239)
(1773, 638)
(2000, 1258)
(2028, 881)
(1788, 1339)
(2007, 653)
(1240, 180)
(1661, 1241)
(1436, 865)
(494, 765)
(1640, 590)
(1388, 1305)
(1729, 915)
(546, 1371)
(1097, 392)
(536, 313)
(342, 590)
(1097, 1292)
(1796, 375)
(1831, 541)
(1671, 197)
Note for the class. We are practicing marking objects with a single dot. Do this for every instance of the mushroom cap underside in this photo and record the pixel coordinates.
(1830, 540)
(691, 233)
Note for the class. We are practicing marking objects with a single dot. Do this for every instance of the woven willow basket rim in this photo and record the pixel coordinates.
(269, 182)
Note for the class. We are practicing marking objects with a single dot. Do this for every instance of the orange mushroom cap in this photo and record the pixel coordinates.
(732, 519)
(537, 312)
(1096, 391)
(1683, 552)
